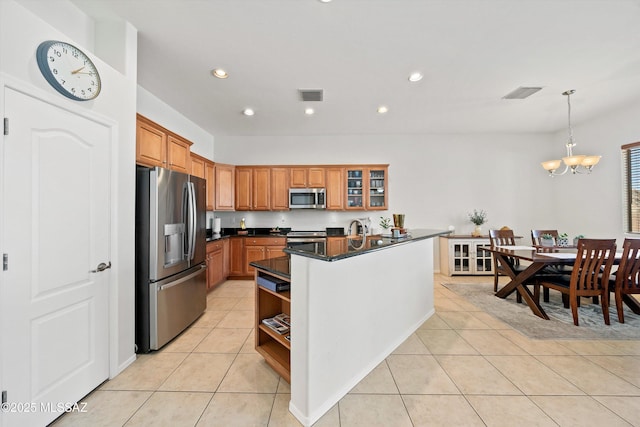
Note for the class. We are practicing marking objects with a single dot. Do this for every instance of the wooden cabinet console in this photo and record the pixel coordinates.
(461, 255)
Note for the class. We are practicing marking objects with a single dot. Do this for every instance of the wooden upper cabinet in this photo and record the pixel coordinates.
(156, 146)
(366, 187)
(253, 189)
(224, 187)
(261, 189)
(151, 144)
(307, 177)
(316, 177)
(203, 168)
(243, 188)
(279, 189)
(178, 154)
(197, 165)
(209, 175)
(335, 188)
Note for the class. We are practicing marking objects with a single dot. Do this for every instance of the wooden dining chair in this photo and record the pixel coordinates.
(503, 238)
(536, 239)
(589, 276)
(627, 277)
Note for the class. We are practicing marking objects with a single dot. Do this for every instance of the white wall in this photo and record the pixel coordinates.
(21, 31)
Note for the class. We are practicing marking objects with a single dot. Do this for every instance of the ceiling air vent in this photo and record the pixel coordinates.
(311, 94)
(521, 93)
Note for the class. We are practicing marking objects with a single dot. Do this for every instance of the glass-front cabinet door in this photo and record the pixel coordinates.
(367, 187)
(461, 258)
(484, 259)
(377, 189)
(355, 188)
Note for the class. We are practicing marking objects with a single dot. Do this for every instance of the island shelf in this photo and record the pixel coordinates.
(271, 345)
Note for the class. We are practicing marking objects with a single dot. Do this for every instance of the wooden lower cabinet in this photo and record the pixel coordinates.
(257, 248)
(275, 348)
(237, 265)
(226, 258)
(245, 250)
(336, 245)
(215, 263)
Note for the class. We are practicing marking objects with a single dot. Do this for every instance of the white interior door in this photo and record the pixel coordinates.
(56, 210)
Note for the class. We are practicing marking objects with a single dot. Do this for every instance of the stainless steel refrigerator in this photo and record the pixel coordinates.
(171, 280)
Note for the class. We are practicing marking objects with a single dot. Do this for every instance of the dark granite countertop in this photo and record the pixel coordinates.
(251, 232)
(279, 266)
(214, 237)
(354, 247)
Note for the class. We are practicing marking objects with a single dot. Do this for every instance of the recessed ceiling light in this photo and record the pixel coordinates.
(248, 112)
(415, 77)
(219, 73)
(383, 109)
(309, 111)
(324, 1)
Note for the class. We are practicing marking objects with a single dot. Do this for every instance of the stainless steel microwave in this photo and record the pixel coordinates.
(307, 198)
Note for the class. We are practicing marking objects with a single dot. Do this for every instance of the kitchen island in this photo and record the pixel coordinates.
(351, 306)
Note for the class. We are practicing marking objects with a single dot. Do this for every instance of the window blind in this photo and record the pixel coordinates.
(631, 187)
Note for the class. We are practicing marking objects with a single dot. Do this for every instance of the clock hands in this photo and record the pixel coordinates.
(78, 70)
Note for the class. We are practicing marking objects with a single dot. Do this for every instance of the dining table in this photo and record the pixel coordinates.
(507, 255)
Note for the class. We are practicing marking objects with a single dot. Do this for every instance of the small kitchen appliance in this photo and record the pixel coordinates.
(307, 198)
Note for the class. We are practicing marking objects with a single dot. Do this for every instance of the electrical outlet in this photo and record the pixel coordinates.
(282, 219)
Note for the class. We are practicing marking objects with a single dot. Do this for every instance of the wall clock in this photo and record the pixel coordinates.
(69, 70)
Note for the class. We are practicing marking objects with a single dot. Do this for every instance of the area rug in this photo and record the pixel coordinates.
(560, 324)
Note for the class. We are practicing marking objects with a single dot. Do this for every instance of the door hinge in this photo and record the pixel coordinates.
(6, 125)
(5, 262)
(4, 396)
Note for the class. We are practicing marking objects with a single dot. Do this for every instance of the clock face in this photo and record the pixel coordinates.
(68, 70)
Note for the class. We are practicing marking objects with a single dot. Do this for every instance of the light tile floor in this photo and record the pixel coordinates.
(462, 367)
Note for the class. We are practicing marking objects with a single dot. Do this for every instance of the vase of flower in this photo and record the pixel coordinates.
(477, 217)
(547, 240)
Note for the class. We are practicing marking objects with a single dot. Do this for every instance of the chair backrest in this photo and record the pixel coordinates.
(502, 238)
(594, 260)
(628, 275)
(536, 235)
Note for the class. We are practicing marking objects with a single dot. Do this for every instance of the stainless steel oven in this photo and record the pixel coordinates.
(314, 241)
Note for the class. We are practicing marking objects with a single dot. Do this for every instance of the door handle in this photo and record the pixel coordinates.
(101, 267)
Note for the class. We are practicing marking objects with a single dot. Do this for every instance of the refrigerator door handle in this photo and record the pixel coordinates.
(192, 220)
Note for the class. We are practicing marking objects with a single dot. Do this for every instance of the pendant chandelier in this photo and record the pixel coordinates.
(578, 163)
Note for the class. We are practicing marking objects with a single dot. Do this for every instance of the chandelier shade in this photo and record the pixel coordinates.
(578, 163)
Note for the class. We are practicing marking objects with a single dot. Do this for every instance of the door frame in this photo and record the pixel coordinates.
(7, 82)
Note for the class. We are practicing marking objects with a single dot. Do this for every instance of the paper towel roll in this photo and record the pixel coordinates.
(216, 225)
